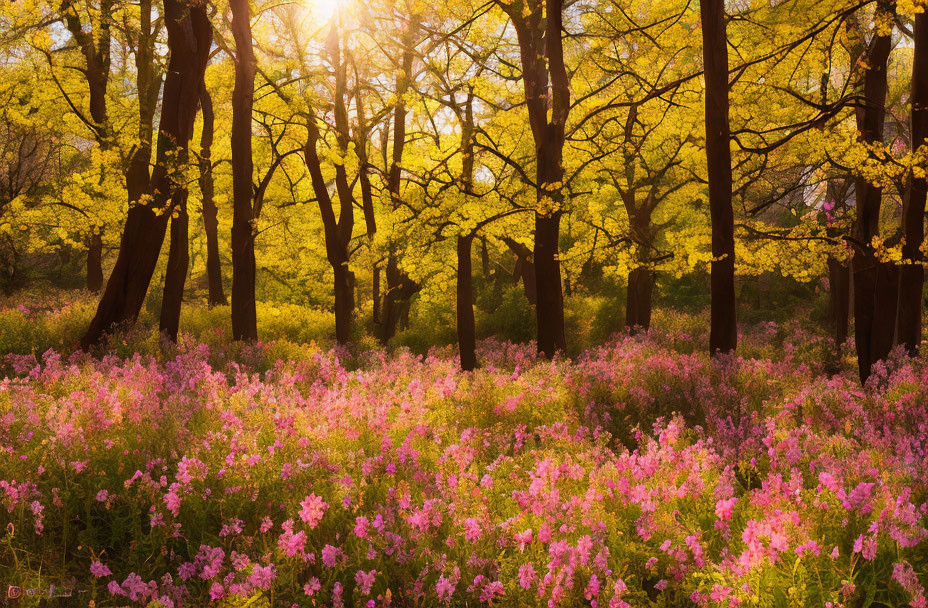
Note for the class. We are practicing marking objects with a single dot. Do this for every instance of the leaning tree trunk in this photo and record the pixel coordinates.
(244, 313)
(217, 296)
(723, 332)
(175, 274)
(912, 273)
(870, 320)
(95, 261)
(189, 40)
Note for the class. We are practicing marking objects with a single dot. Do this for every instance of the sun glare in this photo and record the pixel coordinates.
(324, 9)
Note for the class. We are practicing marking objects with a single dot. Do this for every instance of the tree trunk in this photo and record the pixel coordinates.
(189, 40)
(539, 29)
(550, 300)
(524, 269)
(367, 196)
(217, 296)
(867, 318)
(399, 286)
(723, 333)
(95, 262)
(638, 299)
(244, 313)
(912, 273)
(175, 274)
(344, 302)
(337, 233)
(467, 340)
(839, 299)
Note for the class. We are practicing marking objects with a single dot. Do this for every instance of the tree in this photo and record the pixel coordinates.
(337, 231)
(210, 212)
(539, 27)
(874, 316)
(244, 312)
(912, 273)
(189, 39)
(723, 333)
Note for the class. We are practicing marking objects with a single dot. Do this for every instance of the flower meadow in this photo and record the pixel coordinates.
(639, 473)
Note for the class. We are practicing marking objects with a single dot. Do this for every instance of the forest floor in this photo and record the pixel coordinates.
(639, 473)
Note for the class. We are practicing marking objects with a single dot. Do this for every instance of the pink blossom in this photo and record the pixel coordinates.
(313, 508)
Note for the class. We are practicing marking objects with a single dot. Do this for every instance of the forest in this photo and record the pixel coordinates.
(606, 303)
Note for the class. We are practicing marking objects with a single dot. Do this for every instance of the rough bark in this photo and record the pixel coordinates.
(912, 273)
(210, 212)
(244, 313)
(868, 318)
(189, 39)
(723, 332)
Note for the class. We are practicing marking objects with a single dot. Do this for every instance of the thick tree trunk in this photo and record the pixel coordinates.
(467, 340)
(175, 274)
(344, 302)
(217, 296)
(539, 28)
(912, 273)
(839, 294)
(95, 262)
(870, 322)
(550, 300)
(723, 332)
(189, 40)
(244, 313)
(638, 299)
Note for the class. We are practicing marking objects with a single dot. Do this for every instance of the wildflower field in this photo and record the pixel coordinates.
(638, 473)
